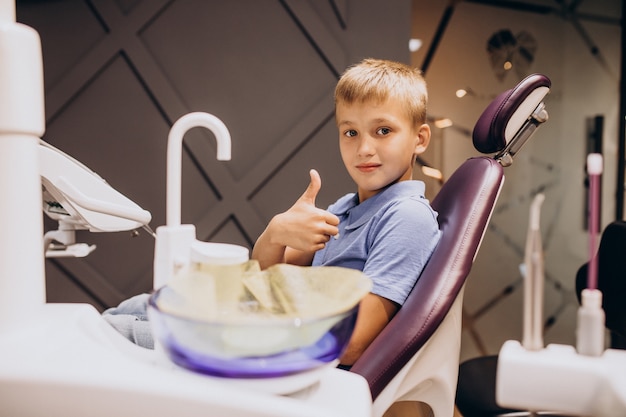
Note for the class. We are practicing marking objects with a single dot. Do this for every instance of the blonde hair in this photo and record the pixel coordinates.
(378, 80)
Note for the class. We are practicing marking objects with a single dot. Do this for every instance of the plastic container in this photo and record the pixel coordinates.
(229, 333)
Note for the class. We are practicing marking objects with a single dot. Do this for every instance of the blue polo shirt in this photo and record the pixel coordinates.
(390, 237)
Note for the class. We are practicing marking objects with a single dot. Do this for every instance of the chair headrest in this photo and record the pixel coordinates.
(509, 114)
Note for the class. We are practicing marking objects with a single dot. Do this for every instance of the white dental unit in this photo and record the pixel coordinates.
(64, 359)
(585, 380)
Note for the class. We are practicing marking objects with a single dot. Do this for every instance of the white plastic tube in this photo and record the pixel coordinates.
(590, 325)
(591, 317)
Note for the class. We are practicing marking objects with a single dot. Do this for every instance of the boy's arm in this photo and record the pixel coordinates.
(413, 228)
(295, 235)
(374, 314)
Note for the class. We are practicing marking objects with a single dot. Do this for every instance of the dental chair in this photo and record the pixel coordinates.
(416, 357)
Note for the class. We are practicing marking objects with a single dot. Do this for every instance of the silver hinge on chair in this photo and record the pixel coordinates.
(538, 116)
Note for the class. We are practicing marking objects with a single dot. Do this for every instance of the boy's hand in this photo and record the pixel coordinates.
(305, 227)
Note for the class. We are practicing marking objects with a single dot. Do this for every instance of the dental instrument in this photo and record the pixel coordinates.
(533, 280)
(583, 381)
(79, 199)
(591, 318)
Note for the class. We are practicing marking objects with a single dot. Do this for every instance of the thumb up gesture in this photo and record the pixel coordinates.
(310, 194)
(304, 226)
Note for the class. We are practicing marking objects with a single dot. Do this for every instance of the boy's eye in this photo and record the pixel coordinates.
(350, 133)
(383, 131)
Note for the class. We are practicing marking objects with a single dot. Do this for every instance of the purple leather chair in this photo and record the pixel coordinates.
(416, 356)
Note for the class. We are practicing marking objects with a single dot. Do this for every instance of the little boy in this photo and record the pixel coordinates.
(386, 229)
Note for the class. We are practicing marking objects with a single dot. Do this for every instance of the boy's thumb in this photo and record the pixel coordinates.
(314, 187)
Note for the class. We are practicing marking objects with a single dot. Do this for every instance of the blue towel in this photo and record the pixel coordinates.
(130, 318)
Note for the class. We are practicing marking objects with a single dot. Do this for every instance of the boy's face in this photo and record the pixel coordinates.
(378, 143)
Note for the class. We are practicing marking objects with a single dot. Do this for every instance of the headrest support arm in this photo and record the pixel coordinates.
(539, 116)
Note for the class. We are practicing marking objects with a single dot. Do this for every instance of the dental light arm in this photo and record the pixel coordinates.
(79, 199)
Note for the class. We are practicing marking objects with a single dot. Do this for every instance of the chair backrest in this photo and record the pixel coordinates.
(464, 205)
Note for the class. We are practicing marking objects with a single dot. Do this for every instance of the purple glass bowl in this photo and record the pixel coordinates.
(240, 350)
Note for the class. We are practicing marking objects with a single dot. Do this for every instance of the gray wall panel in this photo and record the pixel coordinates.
(118, 74)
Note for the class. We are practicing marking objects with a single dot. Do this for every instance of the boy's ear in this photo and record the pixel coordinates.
(423, 139)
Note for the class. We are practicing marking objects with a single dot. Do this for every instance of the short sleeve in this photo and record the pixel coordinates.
(401, 243)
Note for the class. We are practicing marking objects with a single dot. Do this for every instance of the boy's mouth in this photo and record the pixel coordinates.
(367, 167)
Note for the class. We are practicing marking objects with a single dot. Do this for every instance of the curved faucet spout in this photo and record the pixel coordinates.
(174, 156)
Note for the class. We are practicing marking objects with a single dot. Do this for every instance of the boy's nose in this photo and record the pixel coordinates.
(366, 147)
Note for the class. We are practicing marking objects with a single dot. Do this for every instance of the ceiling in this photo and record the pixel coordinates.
(574, 11)
(605, 11)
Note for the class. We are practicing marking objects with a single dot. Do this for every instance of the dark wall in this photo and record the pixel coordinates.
(119, 73)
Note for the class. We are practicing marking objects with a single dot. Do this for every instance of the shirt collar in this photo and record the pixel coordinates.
(359, 214)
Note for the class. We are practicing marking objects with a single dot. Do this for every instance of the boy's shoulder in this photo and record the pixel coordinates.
(405, 193)
(344, 204)
(407, 204)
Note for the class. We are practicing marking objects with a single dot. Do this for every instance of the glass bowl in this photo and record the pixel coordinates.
(234, 336)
